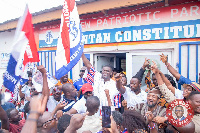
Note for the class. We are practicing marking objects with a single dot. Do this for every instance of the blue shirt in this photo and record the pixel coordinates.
(184, 80)
(8, 105)
(69, 105)
(78, 84)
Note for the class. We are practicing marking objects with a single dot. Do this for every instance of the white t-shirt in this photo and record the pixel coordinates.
(99, 89)
(79, 106)
(52, 103)
(178, 94)
(91, 123)
(133, 99)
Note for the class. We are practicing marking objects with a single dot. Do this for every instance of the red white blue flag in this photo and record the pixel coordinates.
(23, 51)
(69, 47)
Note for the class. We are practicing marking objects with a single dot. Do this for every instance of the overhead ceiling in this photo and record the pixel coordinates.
(84, 1)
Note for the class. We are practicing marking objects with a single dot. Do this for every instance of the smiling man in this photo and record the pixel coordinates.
(55, 99)
(151, 108)
(101, 82)
(179, 111)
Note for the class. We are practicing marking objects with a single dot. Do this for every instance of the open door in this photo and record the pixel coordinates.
(101, 60)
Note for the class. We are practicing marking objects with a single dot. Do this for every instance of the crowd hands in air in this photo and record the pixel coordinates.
(71, 107)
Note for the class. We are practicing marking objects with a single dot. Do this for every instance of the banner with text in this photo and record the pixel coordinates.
(173, 30)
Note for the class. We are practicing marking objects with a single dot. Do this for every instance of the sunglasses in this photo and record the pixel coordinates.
(82, 70)
(32, 89)
(88, 92)
(178, 110)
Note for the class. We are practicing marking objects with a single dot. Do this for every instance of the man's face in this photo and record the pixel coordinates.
(88, 94)
(134, 84)
(152, 99)
(82, 71)
(73, 91)
(154, 80)
(57, 91)
(195, 102)
(187, 90)
(15, 116)
(179, 112)
(106, 73)
(124, 81)
(65, 78)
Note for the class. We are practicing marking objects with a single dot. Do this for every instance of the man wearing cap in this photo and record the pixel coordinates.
(101, 82)
(79, 106)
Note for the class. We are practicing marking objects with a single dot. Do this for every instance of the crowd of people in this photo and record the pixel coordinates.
(76, 107)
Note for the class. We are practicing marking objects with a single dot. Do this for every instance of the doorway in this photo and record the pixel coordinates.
(116, 60)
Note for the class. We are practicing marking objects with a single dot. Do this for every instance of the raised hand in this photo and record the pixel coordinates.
(163, 58)
(118, 76)
(38, 104)
(76, 122)
(154, 67)
(42, 69)
(146, 63)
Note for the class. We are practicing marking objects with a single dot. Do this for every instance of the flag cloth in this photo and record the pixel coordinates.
(69, 47)
(23, 51)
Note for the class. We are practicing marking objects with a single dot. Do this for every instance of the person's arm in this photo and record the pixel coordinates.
(86, 62)
(21, 95)
(60, 106)
(119, 85)
(152, 126)
(164, 59)
(140, 73)
(79, 93)
(108, 97)
(167, 82)
(76, 122)
(71, 111)
(45, 89)
(37, 107)
(169, 96)
(156, 72)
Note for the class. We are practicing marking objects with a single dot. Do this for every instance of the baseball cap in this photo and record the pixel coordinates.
(86, 87)
(193, 85)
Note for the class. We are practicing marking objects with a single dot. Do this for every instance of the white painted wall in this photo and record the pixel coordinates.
(6, 40)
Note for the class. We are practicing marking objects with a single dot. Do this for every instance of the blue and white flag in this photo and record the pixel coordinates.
(69, 47)
(24, 50)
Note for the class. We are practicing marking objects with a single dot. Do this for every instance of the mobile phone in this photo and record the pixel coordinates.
(106, 112)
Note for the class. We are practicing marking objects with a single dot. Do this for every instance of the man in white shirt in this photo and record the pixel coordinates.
(101, 82)
(55, 99)
(133, 95)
